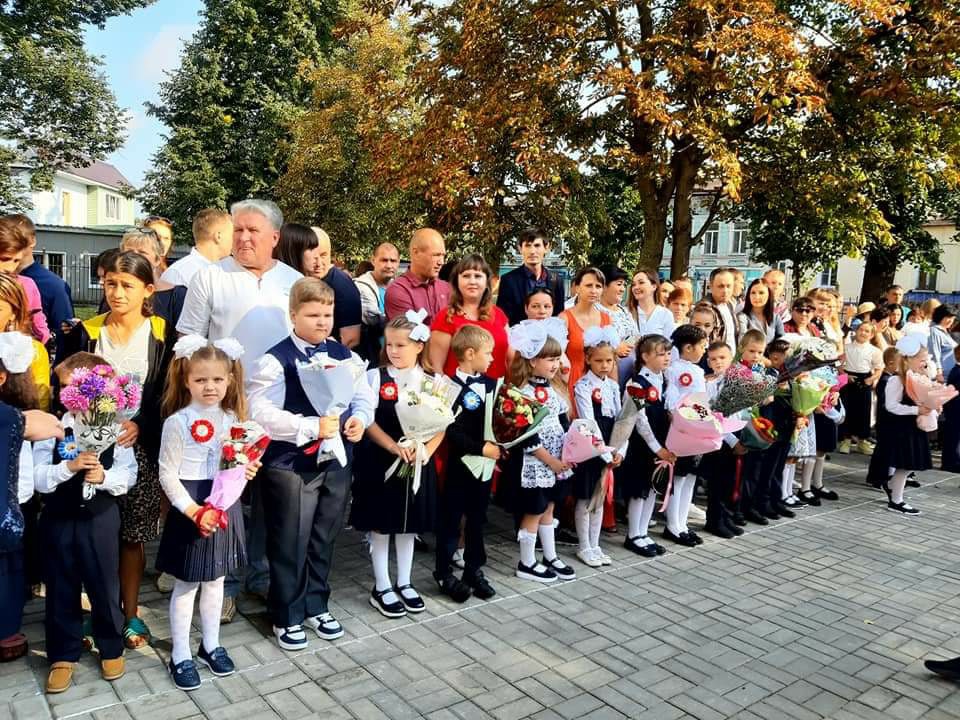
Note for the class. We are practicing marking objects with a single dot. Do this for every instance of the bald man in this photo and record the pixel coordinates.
(347, 307)
(373, 294)
(420, 287)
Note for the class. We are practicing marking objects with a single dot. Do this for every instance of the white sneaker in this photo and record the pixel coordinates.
(602, 556)
(696, 515)
(291, 638)
(325, 626)
(587, 557)
(457, 558)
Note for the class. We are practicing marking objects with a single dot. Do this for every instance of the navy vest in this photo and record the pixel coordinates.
(67, 501)
(286, 455)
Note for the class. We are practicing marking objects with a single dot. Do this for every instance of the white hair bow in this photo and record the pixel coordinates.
(597, 335)
(528, 338)
(557, 329)
(231, 347)
(189, 344)
(910, 344)
(420, 333)
(16, 352)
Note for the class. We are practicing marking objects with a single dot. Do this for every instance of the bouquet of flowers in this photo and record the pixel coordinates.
(583, 442)
(424, 408)
(635, 399)
(330, 386)
(510, 417)
(836, 381)
(742, 388)
(100, 401)
(695, 429)
(806, 354)
(244, 444)
(808, 392)
(928, 393)
(759, 433)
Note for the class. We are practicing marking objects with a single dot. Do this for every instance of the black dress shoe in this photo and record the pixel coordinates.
(735, 529)
(643, 550)
(454, 588)
(419, 544)
(809, 498)
(825, 494)
(753, 516)
(771, 513)
(720, 530)
(784, 511)
(739, 519)
(479, 585)
(393, 609)
(949, 669)
(903, 508)
(681, 539)
(913, 483)
(412, 600)
(661, 550)
(696, 538)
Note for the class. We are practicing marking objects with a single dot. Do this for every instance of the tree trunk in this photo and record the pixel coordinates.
(654, 238)
(878, 273)
(685, 169)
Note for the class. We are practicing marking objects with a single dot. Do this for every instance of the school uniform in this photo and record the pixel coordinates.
(774, 458)
(80, 535)
(827, 426)
(187, 467)
(862, 359)
(597, 399)
(390, 506)
(910, 448)
(648, 436)
(12, 528)
(879, 470)
(684, 378)
(719, 468)
(539, 485)
(304, 496)
(950, 460)
(463, 495)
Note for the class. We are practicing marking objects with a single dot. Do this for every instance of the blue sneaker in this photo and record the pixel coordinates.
(185, 675)
(218, 661)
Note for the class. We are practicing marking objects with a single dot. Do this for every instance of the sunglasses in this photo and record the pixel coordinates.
(804, 309)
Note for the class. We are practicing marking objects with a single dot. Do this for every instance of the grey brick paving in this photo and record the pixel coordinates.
(827, 616)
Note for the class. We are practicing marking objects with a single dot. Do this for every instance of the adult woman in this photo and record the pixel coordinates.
(941, 343)
(299, 247)
(758, 312)
(892, 334)
(651, 318)
(611, 302)
(584, 315)
(827, 316)
(880, 317)
(135, 342)
(471, 303)
(146, 242)
(15, 316)
(801, 319)
(163, 229)
(663, 293)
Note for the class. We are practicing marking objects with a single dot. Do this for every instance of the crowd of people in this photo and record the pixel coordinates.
(220, 337)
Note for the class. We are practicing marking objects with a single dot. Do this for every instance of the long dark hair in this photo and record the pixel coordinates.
(295, 240)
(768, 308)
(470, 262)
(133, 263)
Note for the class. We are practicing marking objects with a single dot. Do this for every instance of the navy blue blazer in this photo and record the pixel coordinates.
(514, 290)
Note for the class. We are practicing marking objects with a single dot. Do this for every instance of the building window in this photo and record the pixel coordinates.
(740, 237)
(54, 262)
(828, 278)
(87, 267)
(66, 207)
(113, 207)
(927, 280)
(711, 240)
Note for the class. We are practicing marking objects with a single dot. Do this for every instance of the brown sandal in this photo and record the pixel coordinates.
(13, 647)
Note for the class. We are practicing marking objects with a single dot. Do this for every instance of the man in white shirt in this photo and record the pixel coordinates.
(721, 297)
(373, 292)
(245, 295)
(212, 242)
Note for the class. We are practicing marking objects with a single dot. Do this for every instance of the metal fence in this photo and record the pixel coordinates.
(78, 270)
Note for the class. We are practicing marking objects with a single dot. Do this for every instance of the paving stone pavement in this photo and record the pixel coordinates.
(826, 616)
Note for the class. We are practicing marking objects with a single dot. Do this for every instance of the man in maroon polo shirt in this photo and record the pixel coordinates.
(420, 287)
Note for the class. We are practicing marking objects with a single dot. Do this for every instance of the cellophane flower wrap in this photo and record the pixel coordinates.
(696, 429)
(330, 385)
(807, 393)
(806, 354)
(836, 380)
(99, 400)
(634, 401)
(243, 444)
(743, 388)
(424, 408)
(583, 441)
(759, 433)
(928, 393)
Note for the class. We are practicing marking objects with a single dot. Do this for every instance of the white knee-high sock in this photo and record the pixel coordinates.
(211, 605)
(634, 518)
(687, 496)
(380, 556)
(818, 471)
(548, 541)
(596, 522)
(786, 487)
(806, 476)
(404, 544)
(181, 615)
(897, 484)
(528, 545)
(649, 504)
(581, 519)
(676, 509)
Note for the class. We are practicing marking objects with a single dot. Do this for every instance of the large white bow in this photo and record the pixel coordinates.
(16, 352)
(597, 335)
(420, 333)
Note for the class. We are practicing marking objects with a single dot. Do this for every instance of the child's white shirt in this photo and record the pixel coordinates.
(683, 378)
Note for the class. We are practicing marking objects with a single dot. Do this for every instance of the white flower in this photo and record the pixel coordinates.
(242, 459)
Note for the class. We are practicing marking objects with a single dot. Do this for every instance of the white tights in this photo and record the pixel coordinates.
(679, 506)
(181, 616)
(897, 484)
(588, 525)
(639, 512)
(380, 556)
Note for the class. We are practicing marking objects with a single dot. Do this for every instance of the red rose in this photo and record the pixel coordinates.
(686, 379)
(229, 454)
(202, 430)
(635, 391)
(652, 395)
(388, 391)
(262, 443)
(540, 394)
(597, 395)
(521, 421)
(237, 433)
(508, 406)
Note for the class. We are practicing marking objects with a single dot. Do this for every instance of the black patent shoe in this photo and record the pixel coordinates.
(784, 511)
(904, 508)
(454, 588)
(809, 497)
(825, 494)
(949, 669)
(661, 550)
(633, 546)
(681, 539)
(410, 598)
(755, 517)
(479, 585)
(696, 538)
(912, 480)
(393, 609)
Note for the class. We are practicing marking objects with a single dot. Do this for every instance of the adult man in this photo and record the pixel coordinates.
(775, 280)
(517, 284)
(347, 308)
(246, 294)
(373, 292)
(721, 297)
(420, 287)
(893, 297)
(54, 292)
(212, 242)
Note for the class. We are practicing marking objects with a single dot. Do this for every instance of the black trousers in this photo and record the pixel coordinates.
(754, 486)
(771, 471)
(82, 553)
(718, 468)
(462, 496)
(303, 514)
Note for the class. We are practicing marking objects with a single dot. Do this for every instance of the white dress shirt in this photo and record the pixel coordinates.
(47, 476)
(659, 322)
(266, 390)
(862, 357)
(25, 480)
(683, 378)
(893, 398)
(183, 458)
(227, 300)
(182, 271)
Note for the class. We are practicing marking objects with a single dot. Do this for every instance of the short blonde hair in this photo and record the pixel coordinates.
(307, 290)
(470, 337)
(206, 220)
(138, 238)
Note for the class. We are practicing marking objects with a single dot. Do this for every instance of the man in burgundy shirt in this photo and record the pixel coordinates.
(420, 287)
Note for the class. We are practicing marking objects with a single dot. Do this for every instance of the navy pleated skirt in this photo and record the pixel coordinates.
(190, 557)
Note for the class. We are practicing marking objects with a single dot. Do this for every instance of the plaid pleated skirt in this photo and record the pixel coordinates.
(190, 557)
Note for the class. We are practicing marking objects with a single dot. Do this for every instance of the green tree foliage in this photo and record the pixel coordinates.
(55, 106)
(230, 105)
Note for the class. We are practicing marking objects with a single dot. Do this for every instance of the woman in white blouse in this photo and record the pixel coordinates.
(611, 303)
(651, 318)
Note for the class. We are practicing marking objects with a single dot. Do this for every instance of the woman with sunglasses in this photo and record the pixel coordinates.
(801, 319)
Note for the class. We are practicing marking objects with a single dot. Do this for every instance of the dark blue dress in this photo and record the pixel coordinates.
(951, 427)
(634, 475)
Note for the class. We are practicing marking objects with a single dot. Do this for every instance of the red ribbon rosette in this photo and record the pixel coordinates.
(388, 391)
(685, 379)
(541, 394)
(597, 395)
(202, 431)
(652, 395)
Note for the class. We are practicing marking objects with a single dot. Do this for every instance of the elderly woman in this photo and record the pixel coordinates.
(146, 242)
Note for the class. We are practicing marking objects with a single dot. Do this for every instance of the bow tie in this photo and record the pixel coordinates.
(539, 382)
(312, 350)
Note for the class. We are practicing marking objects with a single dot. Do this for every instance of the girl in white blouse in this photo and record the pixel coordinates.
(203, 400)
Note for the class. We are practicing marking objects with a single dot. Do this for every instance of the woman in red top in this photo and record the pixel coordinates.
(801, 318)
(471, 303)
(582, 316)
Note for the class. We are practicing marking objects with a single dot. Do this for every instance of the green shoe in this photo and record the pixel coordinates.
(136, 634)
